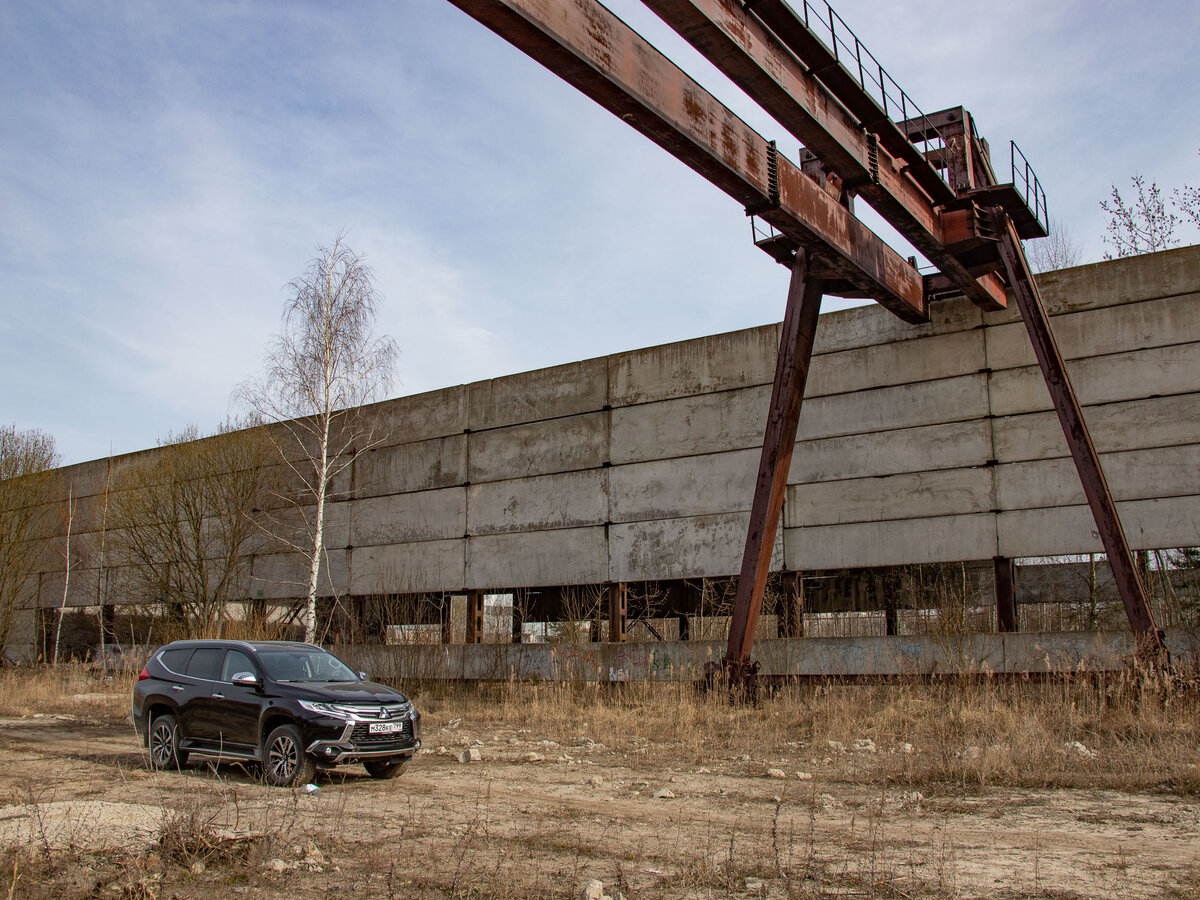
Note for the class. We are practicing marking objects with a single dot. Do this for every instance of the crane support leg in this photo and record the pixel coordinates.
(787, 395)
(1087, 461)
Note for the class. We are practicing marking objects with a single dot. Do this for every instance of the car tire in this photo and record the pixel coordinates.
(284, 761)
(163, 743)
(382, 769)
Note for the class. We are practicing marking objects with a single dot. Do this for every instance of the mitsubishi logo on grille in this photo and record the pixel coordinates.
(383, 713)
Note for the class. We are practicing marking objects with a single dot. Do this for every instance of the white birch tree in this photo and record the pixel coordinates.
(324, 364)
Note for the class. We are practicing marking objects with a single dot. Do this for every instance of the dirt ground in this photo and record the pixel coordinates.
(81, 815)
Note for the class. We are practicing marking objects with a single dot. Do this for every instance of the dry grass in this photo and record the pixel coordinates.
(466, 833)
(1113, 732)
(71, 689)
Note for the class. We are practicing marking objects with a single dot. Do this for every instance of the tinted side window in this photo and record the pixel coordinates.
(176, 660)
(205, 663)
(235, 662)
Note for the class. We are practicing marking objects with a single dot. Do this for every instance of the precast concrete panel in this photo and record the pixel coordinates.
(419, 417)
(692, 486)
(1056, 531)
(863, 326)
(1132, 475)
(904, 362)
(690, 426)
(904, 406)
(419, 466)
(417, 516)
(542, 503)
(282, 576)
(1101, 332)
(706, 365)
(892, 543)
(1105, 379)
(692, 547)
(409, 568)
(918, 495)
(530, 559)
(539, 448)
(924, 448)
(568, 390)
(1126, 425)
(1113, 283)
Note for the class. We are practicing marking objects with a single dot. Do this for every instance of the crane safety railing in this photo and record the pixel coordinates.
(827, 26)
(1025, 180)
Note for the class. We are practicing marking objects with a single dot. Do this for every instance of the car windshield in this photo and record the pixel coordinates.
(296, 664)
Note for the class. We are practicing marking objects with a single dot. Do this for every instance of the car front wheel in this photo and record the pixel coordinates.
(384, 769)
(285, 763)
(164, 743)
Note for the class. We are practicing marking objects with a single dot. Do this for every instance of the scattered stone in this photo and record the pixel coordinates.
(454, 723)
(804, 776)
(907, 748)
(745, 757)
(314, 855)
(595, 781)
(549, 743)
(864, 745)
(827, 801)
(533, 757)
(593, 890)
(836, 746)
(703, 771)
(470, 756)
(664, 794)
(476, 743)
(278, 865)
(776, 773)
(754, 886)
(776, 799)
(442, 750)
(1078, 749)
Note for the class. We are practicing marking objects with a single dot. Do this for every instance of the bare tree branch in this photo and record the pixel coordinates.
(325, 363)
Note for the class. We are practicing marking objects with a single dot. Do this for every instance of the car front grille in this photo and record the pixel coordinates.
(361, 737)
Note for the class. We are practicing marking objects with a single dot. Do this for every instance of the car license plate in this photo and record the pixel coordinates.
(385, 727)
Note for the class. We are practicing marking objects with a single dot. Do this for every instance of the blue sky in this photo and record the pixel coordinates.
(166, 168)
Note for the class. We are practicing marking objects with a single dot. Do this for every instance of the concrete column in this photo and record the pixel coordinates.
(1006, 593)
(474, 617)
(618, 611)
(519, 603)
(446, 618)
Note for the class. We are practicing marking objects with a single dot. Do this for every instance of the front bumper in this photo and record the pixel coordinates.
(355, 743)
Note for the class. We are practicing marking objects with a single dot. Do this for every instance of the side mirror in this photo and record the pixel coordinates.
(245, 679)
(363, 676)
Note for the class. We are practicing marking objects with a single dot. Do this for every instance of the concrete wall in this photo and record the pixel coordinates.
(917, 444)
(811, 657)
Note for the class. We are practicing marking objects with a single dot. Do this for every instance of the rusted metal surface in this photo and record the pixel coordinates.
(742, 47)
(787, 397)
(593, 50)
(1005, 571)
(1079, 441)
(822, 63)
(474, 617)
(618, 611)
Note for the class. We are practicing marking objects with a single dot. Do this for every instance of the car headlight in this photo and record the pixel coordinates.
(325, 709)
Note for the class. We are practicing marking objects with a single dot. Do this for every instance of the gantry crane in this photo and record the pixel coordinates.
(931, 176)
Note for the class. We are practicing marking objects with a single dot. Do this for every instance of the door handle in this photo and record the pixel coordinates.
(177, 687)
(219, 696)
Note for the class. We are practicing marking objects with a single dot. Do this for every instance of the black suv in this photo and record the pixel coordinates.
(290, 706)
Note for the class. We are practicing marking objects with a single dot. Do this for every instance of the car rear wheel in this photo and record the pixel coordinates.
(384, 769)
(285, 763)
(164, 743)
